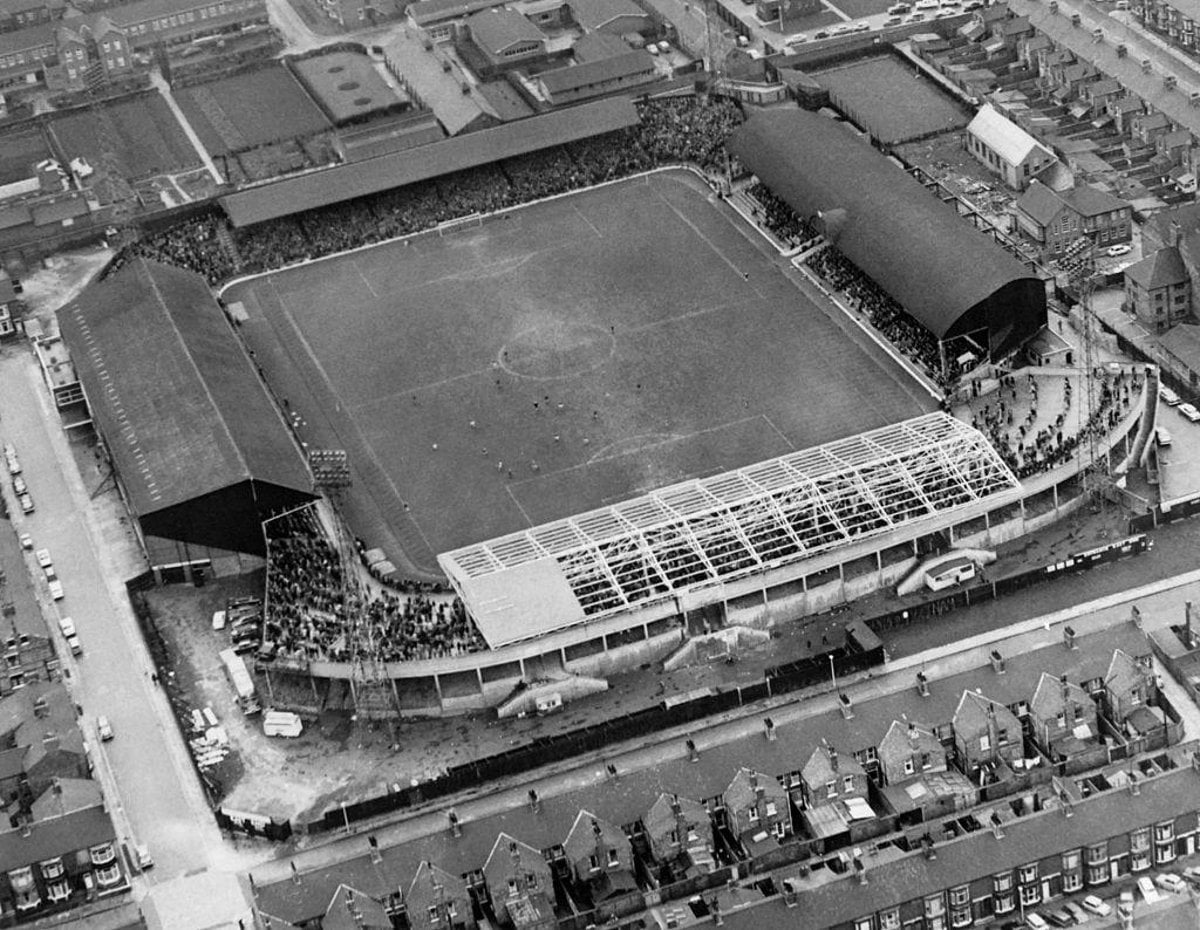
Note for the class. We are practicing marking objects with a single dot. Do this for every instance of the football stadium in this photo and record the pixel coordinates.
(550, 434)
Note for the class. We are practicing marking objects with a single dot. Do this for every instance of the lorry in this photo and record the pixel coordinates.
(240, 681)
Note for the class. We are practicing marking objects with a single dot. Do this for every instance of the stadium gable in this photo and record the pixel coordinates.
(952, 280)
(199, 447)
(713, 530)
(334, 185)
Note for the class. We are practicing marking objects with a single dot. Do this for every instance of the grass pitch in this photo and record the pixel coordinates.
(566, 356)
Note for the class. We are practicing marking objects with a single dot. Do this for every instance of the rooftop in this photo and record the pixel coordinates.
(725, 526)
(1009, 141)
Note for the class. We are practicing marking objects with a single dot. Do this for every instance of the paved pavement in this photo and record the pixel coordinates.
(146, 774)
(157, 79)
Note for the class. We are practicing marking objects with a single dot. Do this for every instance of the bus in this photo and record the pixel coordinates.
(239, 678)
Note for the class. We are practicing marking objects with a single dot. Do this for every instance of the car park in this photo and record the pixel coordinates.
(56, 589)
(104, 729)
(1169, 881)
(1190, 412)
(43, 558)
(1167, 396)
(26, 503)
(1096, 905)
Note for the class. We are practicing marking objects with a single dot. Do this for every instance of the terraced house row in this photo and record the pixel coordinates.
(981, 752)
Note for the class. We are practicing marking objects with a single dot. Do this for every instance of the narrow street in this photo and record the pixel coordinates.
(158, 799)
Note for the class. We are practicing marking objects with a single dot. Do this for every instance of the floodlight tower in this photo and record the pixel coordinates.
(1079, 261)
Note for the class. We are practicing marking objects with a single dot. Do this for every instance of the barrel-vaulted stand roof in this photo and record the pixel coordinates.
(712, 530)
(952, 279)
(200, 448)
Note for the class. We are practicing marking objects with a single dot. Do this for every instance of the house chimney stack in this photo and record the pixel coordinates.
(693, 752)
(376, 852)
(535, 803)
(847, 706)
(833, 758)
(997, 662)
(455, 826)
(1069, 637)
(922, 684)
(769, 728)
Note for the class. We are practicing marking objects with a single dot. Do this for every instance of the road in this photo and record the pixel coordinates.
(145, 771)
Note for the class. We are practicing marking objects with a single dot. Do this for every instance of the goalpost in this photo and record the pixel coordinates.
(462, 222)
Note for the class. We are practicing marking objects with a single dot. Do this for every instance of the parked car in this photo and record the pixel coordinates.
(26, 541)
(1146, 887)
(26, 503)
(1060, 918)
(1036, 921)
(1169, 881)
(19, 485)
(1077, 912)
(1189, 411)
(1167, 396)
(43, 558)
(1122, 248)
(104, 729)
(66, 626)
(144, 859)
(1192, 874)
(56, 589)
(1096, 905)
(1125, 903)
(1162, 435)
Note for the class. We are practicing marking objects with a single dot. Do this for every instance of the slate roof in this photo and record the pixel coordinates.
(1091, 201)
(902, 740)
(55, 837)
(1162, 269)
(66, 796)
(594, 14)
(1048, 699)
(1040, 203)
(841, 899)
(819, 769)
(661, 820)
(495, 30)
(597, 71)
(589, 830)
(350, 909)
(181, 406)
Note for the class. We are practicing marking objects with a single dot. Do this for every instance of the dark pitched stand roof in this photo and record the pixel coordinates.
(178, 401)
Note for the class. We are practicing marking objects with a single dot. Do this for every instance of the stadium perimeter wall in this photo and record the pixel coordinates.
(623, 642)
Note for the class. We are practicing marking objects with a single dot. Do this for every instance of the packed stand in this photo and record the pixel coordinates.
(193, 244)
(887, 316)
(1009, 417)
(672, 131)
(784, 223)
(312, 614)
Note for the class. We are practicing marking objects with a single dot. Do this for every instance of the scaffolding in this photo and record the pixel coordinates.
(712, 530)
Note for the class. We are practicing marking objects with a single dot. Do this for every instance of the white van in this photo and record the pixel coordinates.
(218, 620)
(282, 723)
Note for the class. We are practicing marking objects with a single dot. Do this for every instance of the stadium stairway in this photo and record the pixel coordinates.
(225, 238)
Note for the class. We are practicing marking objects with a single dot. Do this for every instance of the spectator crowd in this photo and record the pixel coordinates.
(674, 130)
(784, 223)
(314, 612)
(1030, 443)
(882, 311)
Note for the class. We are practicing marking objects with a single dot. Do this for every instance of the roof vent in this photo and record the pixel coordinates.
(1076, 19)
